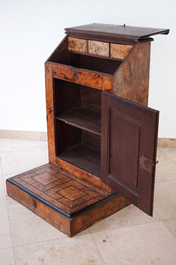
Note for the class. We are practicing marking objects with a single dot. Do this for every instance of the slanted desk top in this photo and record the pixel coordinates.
(117, 31)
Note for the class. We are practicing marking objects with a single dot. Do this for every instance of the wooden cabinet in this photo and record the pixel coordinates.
(102, 137)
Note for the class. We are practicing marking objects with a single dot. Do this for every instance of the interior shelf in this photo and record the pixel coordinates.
(83, 118)
(84, 157)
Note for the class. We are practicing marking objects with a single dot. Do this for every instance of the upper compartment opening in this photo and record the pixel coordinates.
(63, 56)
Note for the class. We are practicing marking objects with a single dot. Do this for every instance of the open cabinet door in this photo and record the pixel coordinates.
(128, 149)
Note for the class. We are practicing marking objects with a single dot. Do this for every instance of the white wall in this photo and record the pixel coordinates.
(31, 29)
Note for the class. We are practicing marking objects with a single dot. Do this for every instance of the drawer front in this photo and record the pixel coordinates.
(104, 49)
(77, 45)
(98, 48)
(119, 51)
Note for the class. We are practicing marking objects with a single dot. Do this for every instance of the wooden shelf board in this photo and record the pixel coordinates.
(83, 118)
(83, 157)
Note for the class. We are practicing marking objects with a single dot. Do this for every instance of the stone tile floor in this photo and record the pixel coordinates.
(127, 237)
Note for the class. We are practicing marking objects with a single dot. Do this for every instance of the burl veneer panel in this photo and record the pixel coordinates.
(98, 48)
(77, 45)
(63, 200)
(131, 81)
(47, 213)
(119, 51)
(93, 79)
(82, 174)
(113, 204)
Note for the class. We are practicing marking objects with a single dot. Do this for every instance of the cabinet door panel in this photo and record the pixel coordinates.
(128, 149)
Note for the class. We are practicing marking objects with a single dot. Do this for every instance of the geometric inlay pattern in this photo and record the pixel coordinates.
(60, 188)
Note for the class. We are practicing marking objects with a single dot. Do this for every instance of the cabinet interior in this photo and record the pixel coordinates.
(88, 62)
(77, 111)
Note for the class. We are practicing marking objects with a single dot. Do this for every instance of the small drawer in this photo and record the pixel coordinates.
(119, 51)
(98, 48)
(77, 45)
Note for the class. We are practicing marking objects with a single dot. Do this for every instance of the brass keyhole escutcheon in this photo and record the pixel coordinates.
(75, 74)
(35, 203)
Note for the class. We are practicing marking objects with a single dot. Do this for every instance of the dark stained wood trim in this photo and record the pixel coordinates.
(116, 31)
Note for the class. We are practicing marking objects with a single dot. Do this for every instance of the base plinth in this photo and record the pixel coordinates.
(63, 200)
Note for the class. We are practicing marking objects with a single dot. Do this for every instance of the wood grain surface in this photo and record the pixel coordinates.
(77, 45)
(131, 80)
(98, 48)
(66, 202)
(119, 51)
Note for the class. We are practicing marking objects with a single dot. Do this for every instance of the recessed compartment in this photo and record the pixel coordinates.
(78, 147)
(82, 61)
(77, 111)
(78, 106)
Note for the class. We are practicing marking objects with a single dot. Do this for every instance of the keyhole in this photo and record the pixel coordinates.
(75, 74)
(35, 203)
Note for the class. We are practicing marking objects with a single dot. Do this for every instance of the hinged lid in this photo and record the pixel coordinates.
(117, 31)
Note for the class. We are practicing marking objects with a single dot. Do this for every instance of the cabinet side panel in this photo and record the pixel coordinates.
(119, 51)
(131, 81)
(61, 54)
(50, 111)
